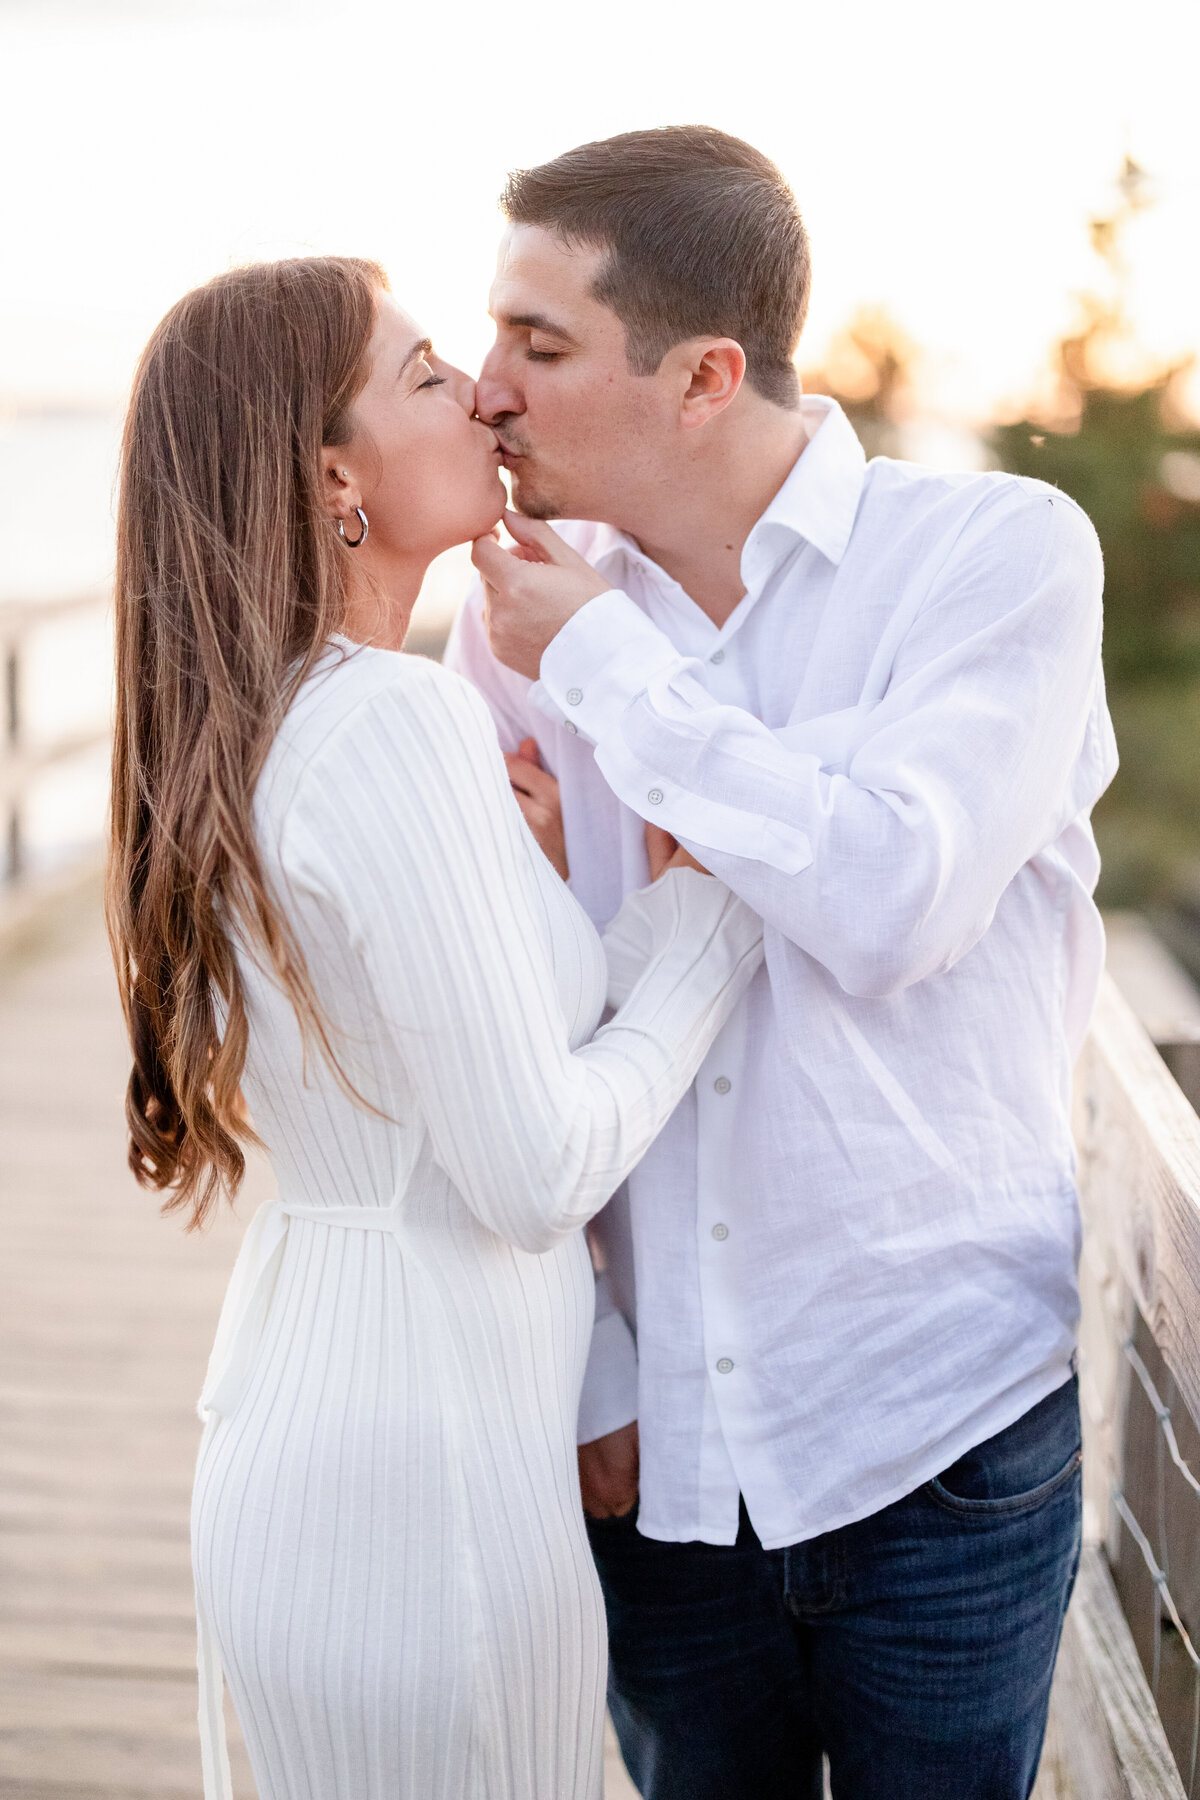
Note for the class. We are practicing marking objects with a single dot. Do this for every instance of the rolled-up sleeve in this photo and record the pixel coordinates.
(881, 850)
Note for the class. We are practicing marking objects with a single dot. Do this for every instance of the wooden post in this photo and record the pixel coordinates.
(13, 848)
(21, 764)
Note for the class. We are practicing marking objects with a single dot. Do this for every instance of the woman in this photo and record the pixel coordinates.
(323, 897)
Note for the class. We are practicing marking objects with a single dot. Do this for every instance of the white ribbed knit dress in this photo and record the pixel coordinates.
(391, 1566)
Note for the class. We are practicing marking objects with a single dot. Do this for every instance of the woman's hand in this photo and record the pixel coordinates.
(665, 852)
(538, 798)
(530, 592)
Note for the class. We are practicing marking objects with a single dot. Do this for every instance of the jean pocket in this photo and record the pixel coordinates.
(1021, 1466)
(998, 1505)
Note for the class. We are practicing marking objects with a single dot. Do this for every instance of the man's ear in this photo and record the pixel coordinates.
(715, 369)
(340, 491)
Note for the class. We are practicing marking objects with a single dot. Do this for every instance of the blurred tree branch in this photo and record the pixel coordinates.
(1115, 437)
(868, 370)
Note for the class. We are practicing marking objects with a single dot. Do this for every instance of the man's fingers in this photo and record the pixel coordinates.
(536, 535)
(528, 752)
(492, 562)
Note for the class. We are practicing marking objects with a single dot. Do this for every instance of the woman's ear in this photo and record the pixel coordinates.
(716, 368)
(340, 491)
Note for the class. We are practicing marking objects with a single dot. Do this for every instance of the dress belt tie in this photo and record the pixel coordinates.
(239, 1332)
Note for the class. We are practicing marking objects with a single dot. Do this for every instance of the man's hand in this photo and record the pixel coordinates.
(608, 1473)
(537, 797)
(531, 592)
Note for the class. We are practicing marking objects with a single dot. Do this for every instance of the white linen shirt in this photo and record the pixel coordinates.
(855, 1243)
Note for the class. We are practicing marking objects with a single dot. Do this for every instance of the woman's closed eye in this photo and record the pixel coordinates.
(434, 381)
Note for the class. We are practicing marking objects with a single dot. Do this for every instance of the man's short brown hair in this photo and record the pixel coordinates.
(703, 235)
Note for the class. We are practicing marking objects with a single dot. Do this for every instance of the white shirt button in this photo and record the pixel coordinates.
(724, 1365)
(574, 696)
(718, 656)
(722, 1084)
(571, 726)
(720, 1232)
(655, 798)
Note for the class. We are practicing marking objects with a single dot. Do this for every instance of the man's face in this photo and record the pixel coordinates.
(582, 434)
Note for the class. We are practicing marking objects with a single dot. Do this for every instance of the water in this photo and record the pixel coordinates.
(57, 483)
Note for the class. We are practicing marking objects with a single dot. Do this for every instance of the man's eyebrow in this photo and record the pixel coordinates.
(424, 347)
(538, 322)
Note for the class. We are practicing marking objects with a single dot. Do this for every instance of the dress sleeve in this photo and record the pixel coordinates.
(407, 822)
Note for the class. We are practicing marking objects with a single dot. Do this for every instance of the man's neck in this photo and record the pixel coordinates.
(697, 525)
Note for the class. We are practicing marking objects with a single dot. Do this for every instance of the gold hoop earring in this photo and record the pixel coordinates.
(358, 542)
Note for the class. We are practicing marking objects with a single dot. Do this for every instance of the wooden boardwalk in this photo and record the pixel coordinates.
(106, 1315)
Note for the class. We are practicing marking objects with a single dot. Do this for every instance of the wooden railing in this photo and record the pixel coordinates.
(1125, 1713)
(24, 757)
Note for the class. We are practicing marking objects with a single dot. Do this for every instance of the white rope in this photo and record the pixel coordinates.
(1162, 1413)
(1157, 1575)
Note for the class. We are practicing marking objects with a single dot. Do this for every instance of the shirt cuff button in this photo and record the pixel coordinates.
(574, 696)
(655, 797)
(571, 726)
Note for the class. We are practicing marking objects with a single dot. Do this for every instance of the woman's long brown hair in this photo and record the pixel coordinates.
(229, 583)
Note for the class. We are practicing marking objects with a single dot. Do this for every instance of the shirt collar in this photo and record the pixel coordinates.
(818, 502)
(819, 499)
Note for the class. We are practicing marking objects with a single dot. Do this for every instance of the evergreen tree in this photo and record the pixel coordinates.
(1124, 450)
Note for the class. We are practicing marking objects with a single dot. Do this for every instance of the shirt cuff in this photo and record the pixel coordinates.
(603, 658)
(609, 1397)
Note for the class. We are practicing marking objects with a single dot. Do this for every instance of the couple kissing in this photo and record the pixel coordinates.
(659, 1019)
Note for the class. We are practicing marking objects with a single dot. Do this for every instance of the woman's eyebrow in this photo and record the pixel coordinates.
(423, 347)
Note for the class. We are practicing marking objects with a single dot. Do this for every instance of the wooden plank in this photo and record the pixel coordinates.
(17, 773)
(19, 616)
(617, 1785)
(33, 914)
(1104, 1740)
(106, 1313)
(1156, 985)
(1139, 1175)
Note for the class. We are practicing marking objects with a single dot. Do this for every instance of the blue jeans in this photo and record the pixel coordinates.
(914, 1649)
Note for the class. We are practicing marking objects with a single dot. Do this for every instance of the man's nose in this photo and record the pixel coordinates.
(496, 394)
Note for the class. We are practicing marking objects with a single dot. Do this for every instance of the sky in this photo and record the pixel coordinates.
(946, 159)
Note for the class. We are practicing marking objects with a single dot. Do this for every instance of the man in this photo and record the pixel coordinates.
(869, 699)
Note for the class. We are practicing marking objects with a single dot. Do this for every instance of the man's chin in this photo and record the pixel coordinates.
(535, 505)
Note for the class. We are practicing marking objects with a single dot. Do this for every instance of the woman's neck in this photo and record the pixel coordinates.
(379, 601)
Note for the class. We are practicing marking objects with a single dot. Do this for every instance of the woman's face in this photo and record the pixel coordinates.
(424, 470)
